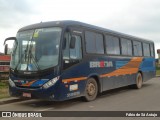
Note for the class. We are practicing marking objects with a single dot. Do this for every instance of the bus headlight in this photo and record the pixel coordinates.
(12, 84)
(50, 82)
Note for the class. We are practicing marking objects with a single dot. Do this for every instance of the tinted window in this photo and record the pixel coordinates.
(76, 53)
(72, 53)
(137, 48)
(99, 44)
(146, 49)
(94, 42)
(152, 50)
(126, 47)
(112, 45)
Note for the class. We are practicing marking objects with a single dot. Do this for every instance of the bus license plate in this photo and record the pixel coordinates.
(27, 95)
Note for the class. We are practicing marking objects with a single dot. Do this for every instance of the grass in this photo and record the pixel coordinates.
(3, 89)
(157, 70)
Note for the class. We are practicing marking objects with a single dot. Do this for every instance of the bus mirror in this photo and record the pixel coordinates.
(10, 38)
(6, 49)
(72, 42)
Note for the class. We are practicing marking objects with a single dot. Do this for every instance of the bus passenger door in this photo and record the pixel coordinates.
(72, 50)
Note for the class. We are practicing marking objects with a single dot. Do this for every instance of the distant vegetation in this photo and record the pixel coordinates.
(157, 70)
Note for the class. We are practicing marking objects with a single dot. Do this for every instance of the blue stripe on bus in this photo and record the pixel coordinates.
(120, 64)
(148, 64)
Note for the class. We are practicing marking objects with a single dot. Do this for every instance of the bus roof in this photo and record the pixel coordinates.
(65, 23)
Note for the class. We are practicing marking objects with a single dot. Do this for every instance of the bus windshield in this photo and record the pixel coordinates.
(37, 49)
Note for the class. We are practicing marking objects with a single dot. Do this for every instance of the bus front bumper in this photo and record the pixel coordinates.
(35, 93)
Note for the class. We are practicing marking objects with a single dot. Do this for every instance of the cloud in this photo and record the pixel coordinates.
(14, 12)
(139, 18)
(135, 17)
(13, 15)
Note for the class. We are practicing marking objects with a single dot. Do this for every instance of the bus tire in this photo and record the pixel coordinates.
(91, 90)
(139, 81)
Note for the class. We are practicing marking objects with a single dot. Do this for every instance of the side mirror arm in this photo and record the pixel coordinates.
(10, 38)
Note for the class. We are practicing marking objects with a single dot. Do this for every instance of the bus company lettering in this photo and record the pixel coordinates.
(101, 64)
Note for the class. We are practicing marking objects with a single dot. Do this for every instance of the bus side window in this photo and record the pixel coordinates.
(71, 55)
(137, 48)
(146, 49)
(112, 45)
(152, 50)
(76, 52)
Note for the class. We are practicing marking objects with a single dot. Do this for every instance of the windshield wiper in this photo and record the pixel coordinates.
(28, 53)
(31, 57)
(28, 56)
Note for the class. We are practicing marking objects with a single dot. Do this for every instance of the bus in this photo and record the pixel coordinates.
(61, 60)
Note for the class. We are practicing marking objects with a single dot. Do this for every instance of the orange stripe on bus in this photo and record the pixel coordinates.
(73, 79)
(130, 68)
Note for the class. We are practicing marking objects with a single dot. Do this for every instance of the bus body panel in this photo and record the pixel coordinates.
(148, 68)
(78, 74)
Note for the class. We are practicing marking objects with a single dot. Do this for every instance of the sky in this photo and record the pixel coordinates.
(139, 18)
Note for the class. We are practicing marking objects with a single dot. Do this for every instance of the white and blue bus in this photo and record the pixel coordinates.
(62, 60)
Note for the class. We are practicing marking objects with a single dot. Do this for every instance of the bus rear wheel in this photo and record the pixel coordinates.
(91, 90)
(139, 81)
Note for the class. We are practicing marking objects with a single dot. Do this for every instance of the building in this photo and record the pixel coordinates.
(4, 66)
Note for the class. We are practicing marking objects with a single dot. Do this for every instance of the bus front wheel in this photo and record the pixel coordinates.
(91, 90)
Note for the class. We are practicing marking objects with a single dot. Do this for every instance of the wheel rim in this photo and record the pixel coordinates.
(91, 89)
(139, 80)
